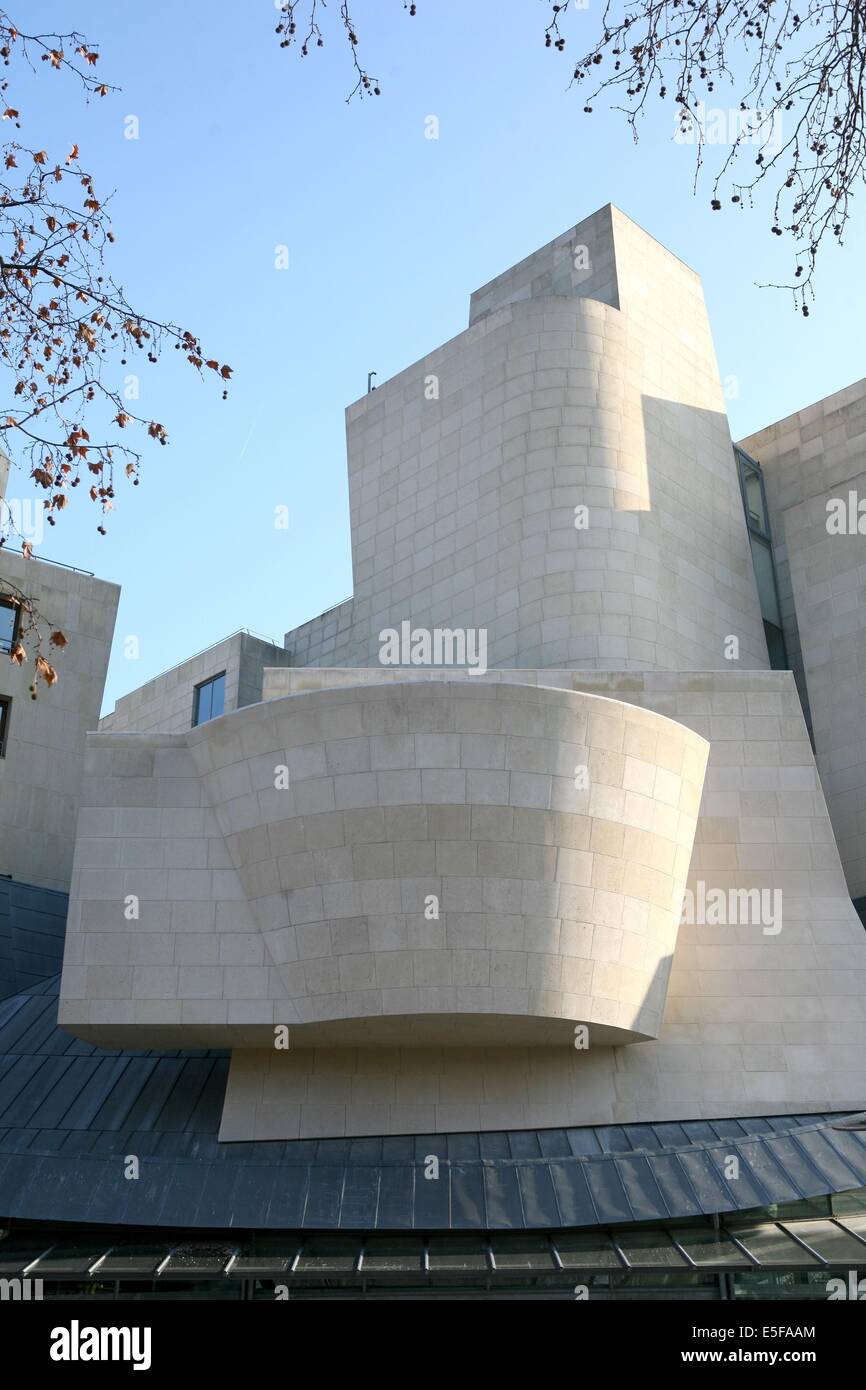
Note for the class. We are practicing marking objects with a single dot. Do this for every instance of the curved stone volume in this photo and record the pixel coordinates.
(559, 475)
(459, 862)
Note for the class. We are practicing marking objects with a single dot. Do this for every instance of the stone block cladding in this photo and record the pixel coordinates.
(809, 460)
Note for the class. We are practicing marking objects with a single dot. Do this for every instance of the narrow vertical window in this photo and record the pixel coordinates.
(5, 712)
(10, 615)
(761, 541)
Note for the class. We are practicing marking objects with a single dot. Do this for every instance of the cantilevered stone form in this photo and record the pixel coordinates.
(765, 1018)
(446, 862)
(418, 829)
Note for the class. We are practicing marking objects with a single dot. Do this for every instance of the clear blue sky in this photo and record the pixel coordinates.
(242, 148)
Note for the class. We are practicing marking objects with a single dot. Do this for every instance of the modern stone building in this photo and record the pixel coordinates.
(499, 918)
(814, 469)
(223, 678)
(42, 740)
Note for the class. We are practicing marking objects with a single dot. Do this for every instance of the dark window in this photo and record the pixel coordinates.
(209, 700)
(10, 615)
(776, 646)
(765, 578)
(761, 541)
(5, 713)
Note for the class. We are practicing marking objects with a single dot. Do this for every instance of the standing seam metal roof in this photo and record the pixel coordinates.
(70, 1113)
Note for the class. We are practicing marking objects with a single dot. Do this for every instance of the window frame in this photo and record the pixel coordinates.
(5, 721)
(759, 535)
(196, 699)
(6, 602)
(747, 465)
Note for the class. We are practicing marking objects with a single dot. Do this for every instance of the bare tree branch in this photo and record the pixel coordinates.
(65, 324)
(300, 25)
(799, 115)
(794, 71)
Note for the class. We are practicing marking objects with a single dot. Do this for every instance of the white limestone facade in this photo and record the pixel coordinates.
(814, 468)
(166, 703)
(763, 1011)
(423, 861)
(587, 379)
(588, 878)
(42, 760)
